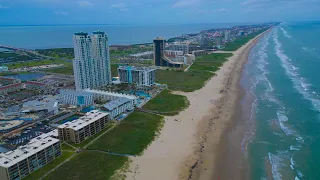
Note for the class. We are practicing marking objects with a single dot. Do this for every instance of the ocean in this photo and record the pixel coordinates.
(281, 77)
(58, 36)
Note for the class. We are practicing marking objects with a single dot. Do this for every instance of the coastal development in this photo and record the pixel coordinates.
(109, 111)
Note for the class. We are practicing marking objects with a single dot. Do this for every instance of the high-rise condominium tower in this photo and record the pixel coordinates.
(92, 60)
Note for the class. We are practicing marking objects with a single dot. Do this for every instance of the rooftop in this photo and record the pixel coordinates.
(10, 86)
(35, 145)
(116, 103)
(81, 34)
(107, 93)
(83, 121)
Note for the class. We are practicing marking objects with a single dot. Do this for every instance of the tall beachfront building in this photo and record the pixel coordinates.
(92, 60)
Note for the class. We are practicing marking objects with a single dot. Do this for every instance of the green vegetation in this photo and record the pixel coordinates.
(45, 169)
(16, 56)
(133, 50)
(34, 63)
(132, 135)
(58, 53)
(13, 73)
(67, 69)
(167, 104)
(114, 71)
(85, 142)
(183, 81)
(89, 165)
(66, 147)
(232, 46)
(210, 62)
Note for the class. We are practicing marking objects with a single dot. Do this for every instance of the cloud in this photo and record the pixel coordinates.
(3, 7)
(85, 3)
(60, 13)
(119, 5)
(184, 3)
(221, 10)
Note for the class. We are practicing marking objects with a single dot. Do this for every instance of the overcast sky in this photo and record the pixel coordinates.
(34, 12)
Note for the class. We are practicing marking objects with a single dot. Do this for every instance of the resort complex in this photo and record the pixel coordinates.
(109, 101)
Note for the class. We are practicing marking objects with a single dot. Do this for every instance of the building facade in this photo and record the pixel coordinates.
(86, 126)
(92, 60)
(141, 76)
(77, 98)
(159, 56)
(189, 58)
(24, 160)
(118, 106)
(180, 47)
(199, 52)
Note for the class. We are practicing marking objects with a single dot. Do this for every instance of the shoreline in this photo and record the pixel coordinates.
(188, 149)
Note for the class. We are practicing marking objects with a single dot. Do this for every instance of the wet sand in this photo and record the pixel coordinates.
(200, 146)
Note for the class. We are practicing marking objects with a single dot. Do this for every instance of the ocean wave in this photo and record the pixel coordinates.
(300, 83)
(276, 165)
(285, 33)
(294, 148)
(292, 163)
(311, 51)
(282, 118)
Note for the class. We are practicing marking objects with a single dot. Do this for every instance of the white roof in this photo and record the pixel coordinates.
(83, 121)
(34, 146)
(107, 93)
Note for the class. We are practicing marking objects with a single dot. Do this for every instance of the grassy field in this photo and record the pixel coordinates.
(45, 169)
(89, 165)
(67, 53)
(66, 147)
(232, 46)
(183, 81)
(85, 142)
(132, 135)
(210, 62)
(67, 69)
(167, 103)
(34, 63)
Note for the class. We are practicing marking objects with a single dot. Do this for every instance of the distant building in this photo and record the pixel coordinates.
(121, 47)
(33, 85)
(77, 98)
(7, 80)
(118, 106)
(10, 88)
(86, 126)
(204, 41)
(4, 69)
(141, 76)
(180, 47)
(226, 35)
(92, 60)
(50, 105)
(108, 96)
(218, 38)
(26, 159)
(173, 53)
(147, 54)
(199, 52)
(159, 57)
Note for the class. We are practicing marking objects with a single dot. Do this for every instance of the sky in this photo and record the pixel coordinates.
(44, 12)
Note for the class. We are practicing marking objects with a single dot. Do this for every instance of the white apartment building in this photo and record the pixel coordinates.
(24, 160)
(180, 47)
(189, 58)
(199, 52)
(86, 126)
(92, 60)
(141, 76)
(108, 96)
(77, 98)
(118, 106)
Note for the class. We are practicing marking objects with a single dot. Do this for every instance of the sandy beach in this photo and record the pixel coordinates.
(194, 147)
